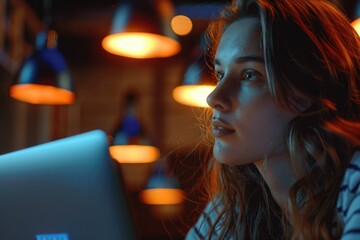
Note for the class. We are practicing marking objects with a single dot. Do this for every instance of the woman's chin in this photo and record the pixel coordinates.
(221, 156)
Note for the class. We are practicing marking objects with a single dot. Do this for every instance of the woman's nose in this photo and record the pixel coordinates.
(220, 98)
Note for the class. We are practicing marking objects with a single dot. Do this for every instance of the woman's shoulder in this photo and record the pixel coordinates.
(348, 205)
(205, 222)
(351, 178)
(350, 184)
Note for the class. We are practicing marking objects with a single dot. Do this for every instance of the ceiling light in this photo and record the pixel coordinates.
(43, 78)
(130, 144)
(141, 29)
(162, 189)
(181, 25)
(198, 83)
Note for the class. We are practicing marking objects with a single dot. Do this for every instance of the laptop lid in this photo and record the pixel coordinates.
(68, 189)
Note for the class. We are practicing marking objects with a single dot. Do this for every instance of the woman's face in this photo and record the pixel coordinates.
(247, 124)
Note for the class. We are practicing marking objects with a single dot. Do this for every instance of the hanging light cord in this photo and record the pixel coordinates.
(47, 4)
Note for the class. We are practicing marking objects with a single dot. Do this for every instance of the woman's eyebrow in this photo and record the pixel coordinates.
(242, 59)
(249, 58)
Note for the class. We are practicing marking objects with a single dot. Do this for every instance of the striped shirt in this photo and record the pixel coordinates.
(201, 229)
(348, 207)
(348, 204)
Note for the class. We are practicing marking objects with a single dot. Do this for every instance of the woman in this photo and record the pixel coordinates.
(286, 122)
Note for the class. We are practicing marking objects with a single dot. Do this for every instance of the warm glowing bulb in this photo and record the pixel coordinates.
(140, 45)
(356, 25)
(181, 25)
(193, 95)
(41, 94)
(134, 153)
(162, 196)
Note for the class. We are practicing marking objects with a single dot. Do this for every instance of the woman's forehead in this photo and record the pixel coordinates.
(242, 37)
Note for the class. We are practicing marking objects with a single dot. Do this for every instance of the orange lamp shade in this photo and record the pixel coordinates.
(43, 77)
(41, 94)
(130, 143)
(141, 29)
(162, 196)
(140, 45)
(193, 95)
(134, 153)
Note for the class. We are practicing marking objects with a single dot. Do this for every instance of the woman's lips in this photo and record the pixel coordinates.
(220, 128)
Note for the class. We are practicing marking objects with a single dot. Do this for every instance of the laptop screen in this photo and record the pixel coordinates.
(68, 189)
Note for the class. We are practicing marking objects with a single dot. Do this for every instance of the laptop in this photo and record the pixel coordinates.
(67, 189)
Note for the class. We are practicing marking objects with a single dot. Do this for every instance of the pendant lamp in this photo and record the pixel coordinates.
(198, 83)
(43, 78)
(130, 144)
(352, 10)
(356, 25)
(162, 189)
(142, 29)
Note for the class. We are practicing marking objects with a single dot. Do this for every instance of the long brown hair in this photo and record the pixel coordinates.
(312, 57)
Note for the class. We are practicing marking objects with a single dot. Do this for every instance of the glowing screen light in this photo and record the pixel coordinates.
(53, 236)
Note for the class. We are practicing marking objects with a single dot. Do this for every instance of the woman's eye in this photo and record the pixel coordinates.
(250, 75)
(219, 76)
